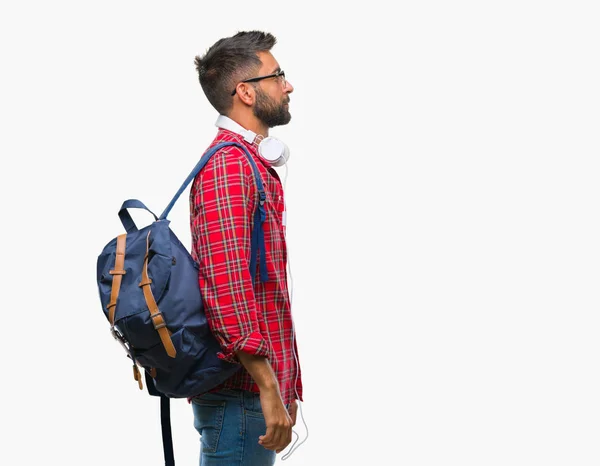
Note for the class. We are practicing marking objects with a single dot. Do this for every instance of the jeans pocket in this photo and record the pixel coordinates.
(252, 406)
(254, 413)
(208, 421)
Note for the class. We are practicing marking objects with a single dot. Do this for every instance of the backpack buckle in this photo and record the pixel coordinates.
(116, 333)
(158, 320)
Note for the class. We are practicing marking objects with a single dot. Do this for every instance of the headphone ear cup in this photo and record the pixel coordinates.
(271, 149)
(274, 151)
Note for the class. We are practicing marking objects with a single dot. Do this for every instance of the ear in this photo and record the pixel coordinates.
(246, 93)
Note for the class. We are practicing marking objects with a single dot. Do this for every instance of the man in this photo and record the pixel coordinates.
(249, 418)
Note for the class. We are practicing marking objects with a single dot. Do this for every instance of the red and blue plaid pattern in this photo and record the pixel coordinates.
(252, 317)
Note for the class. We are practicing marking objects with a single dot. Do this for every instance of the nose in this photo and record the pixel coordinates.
(288, 87)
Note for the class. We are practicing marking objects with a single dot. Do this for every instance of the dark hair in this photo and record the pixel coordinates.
(229, 61)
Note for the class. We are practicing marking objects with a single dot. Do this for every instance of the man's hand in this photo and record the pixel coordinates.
(278, 420)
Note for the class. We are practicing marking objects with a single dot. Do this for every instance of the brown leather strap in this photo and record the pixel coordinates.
(137, 376)
(117, 273)
(157, 318)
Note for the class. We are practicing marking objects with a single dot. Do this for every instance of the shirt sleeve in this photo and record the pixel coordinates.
(223, 202)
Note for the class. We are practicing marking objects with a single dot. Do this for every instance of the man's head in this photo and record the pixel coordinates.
(239, 74)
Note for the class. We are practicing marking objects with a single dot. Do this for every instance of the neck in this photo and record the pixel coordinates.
(249, 121)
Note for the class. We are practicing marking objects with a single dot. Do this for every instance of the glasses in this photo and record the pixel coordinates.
(278, 74)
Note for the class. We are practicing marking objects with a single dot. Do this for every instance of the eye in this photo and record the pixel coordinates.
(281, 77)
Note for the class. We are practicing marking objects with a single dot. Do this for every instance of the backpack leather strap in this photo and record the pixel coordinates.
(117, 273)
(157, 318)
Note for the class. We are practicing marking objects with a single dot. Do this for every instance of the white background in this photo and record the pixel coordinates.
(443, 222)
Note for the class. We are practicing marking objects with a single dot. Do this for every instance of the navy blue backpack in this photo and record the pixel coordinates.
(149, 290)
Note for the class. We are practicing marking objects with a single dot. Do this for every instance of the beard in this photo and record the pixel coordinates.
(269, 111)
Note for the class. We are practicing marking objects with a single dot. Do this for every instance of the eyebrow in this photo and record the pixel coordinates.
(276, 70)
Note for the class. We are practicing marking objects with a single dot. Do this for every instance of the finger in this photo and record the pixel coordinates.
(267, 446)
(294, 412)
(277, 438)
(284, 438)
(272, 440)
(282, 447)
(294, 417)
(266, 439)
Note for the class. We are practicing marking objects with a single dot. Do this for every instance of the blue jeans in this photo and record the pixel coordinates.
(229, 423)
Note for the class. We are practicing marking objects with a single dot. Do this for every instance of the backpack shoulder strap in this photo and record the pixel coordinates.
(165, 421)
(258, 239)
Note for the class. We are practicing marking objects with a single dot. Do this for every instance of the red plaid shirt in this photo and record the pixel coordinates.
(252, 317)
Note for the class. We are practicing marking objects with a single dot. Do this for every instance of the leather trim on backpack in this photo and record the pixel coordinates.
(157, 318)
(117, 274)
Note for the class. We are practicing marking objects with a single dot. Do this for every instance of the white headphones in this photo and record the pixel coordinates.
(271, 149)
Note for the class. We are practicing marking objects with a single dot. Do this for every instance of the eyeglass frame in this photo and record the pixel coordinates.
(259, 78)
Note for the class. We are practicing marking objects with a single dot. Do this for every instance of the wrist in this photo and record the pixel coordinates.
(269, 387)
